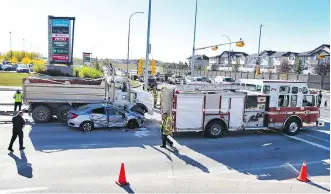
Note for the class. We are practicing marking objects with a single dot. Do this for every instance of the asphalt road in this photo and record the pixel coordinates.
(59, 159)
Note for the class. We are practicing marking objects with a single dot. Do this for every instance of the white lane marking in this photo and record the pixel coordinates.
(304, 141)
(23, 190)
(324, 120)
(314, 137)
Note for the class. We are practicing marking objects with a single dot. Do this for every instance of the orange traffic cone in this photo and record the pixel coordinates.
(122, 178)
(303, 173)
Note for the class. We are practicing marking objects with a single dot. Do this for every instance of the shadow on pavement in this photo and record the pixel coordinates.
(23, 167)
(128, 188)
(190, 161)
(264, 154)
(318, 186)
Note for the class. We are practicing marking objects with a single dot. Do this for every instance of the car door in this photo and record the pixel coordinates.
(115, 118)
(99, 118)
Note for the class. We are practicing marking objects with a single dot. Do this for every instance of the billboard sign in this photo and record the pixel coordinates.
(87, 58)
(60, 39)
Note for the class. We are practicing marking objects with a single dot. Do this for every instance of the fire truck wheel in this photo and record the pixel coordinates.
(214, 129)
(292, 126)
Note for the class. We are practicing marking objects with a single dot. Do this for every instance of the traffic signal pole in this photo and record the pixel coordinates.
(147, 44)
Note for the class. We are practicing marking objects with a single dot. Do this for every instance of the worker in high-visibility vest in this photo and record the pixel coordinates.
(166, 129)
(155, 96)
(18, 96)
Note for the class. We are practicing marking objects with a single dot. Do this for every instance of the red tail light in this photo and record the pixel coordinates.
(73, 115)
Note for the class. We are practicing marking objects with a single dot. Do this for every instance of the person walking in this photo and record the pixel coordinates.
(320, 98)
(18, 96)
(18, 124)
(155, 96)
(166, 130)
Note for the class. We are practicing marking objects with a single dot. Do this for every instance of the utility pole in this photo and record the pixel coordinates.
(193, 49)
(147, 44)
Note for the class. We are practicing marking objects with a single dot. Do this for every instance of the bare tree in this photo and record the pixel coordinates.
(323, 68)
(284, 66)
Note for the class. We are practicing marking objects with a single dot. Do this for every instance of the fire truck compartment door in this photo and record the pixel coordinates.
(236, 112)
(189, 112)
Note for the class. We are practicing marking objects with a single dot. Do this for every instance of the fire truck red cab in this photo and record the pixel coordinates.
(289, 104)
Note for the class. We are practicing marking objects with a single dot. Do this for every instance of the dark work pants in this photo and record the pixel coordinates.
(165, 139)
(13, 138)
(19, 104)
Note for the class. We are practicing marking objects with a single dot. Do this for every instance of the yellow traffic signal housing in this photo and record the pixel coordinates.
(258, 71)
(214, 48)
(153, 67)
(140, 67)
(240, 43)
(320, 57)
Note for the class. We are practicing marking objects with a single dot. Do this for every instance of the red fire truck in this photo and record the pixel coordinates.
(251, 105)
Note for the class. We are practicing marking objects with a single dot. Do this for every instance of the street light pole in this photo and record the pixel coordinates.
(11, 51)
(193, 49)
(258, 51)
(147, 44)
(229, 57)
(23, 47)
(128, 54)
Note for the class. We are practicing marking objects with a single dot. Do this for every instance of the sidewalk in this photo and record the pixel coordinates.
(10, 88)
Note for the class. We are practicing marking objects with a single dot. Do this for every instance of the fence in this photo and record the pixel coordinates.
(313, 81)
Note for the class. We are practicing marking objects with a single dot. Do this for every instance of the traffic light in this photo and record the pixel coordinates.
(153, 67)
(140, 67)
(320, 57)
(258, 72)
(214, 48)
(240, 43)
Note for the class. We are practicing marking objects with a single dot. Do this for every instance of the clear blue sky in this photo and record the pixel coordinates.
(102, 25)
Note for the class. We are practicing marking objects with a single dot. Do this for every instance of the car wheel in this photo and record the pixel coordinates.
(61, 113)
(41, 114)
(292, 126)
(87, 126)
(214, 129)
(132, 124)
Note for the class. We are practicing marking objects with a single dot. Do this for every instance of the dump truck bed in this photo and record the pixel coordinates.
(73, 90)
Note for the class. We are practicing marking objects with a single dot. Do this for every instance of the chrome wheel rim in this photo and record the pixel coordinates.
(87, 126)
(215, 130)
(293, 127)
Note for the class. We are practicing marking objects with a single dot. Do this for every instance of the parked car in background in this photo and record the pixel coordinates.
(91, 116)
(23, 69)
(6, 67)
(223, 80)
(176, 79)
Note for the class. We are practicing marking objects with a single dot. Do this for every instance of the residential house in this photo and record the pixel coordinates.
(263, 57)
(309, 58)
(222, 60)
(200, 61)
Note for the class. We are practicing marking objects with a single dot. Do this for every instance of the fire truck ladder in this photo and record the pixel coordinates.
(209, 87)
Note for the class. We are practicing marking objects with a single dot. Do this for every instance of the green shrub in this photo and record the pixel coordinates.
(39, 68)
(88, 72)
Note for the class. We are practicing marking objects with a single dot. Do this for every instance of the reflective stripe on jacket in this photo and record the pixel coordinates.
(18, 97)
(167, 126)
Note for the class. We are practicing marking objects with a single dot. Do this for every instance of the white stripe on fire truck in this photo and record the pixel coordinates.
(293, 112)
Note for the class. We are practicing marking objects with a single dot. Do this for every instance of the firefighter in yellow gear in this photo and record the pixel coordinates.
(18, 96)
(155, 96)
(166, 129)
